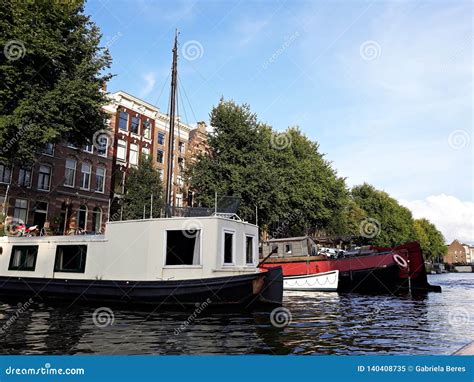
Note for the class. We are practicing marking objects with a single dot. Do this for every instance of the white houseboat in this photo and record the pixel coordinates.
(169, 261)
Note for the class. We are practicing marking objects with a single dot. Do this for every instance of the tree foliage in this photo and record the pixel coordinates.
(393, 222)
(430, 238)
(282, 174)
(52, 72)
(141, 183)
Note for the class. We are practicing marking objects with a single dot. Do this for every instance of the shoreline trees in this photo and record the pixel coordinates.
(296, 191)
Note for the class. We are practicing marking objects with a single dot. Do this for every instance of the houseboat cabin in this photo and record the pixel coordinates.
(154, 256)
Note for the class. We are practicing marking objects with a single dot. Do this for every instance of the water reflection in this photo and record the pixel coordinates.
(321, 323)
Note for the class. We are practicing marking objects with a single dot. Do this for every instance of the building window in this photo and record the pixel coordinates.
(162, 174)
(103, 145)
(147, 129)
(24, 177)
(121, 150)
(228, 248)
(100, 179)
(249, 258)
(96, 220)
(288, 248)
(23, 258)
(5, 174)
(70, 173)
(44, 177)
(48, 149)
(82, 217)
(88, 148)
(179, 200)
(40, 212)
(181, 147)
(135, 125)
(181, 164)
(145, 152)
(123, 120)
(21, 209)
(183, 248)
(161, 138)
(159, 156)
(179, 180)
(85, 176)
(70, 258)
(133, 154)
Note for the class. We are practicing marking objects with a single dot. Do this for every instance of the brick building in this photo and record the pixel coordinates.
(197, 146)
(71, 187)
(67, 187)
(140, 128)
(458, 253)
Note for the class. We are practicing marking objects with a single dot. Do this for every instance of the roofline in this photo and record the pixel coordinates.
(134, 98)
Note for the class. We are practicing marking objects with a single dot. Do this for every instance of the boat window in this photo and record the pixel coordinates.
(23, 258)
(228, 248)
(70, 258)
(249, 249)
(183, 247)
(288, 248)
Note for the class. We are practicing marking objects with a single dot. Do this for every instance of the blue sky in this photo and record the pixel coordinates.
(384, 87)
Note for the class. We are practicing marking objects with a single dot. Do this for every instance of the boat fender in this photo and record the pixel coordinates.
(400, 261)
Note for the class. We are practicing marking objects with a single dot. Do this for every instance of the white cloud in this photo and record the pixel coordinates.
(453, 217)
(150, 81)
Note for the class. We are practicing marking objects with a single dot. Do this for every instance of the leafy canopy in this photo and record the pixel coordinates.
(52, 71)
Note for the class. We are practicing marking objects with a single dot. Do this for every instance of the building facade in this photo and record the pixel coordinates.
(70, 188)
(138, 129)
(66, 189)
(458, 253)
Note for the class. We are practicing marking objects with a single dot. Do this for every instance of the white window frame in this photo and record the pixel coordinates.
(139, 125)
(88, 148)
(27, 208)
(85, 173)
(233, 232)
(30, 170)
(103, 179)
(134, 163)
(124, 159)
(144, 129)
(128, 120)
(254, 249)
(106, 149)
(52, 150)
(193, 266)
(68, 168)
(10, 169)
(50, 176)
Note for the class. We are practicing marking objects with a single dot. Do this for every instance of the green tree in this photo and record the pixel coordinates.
(52, 72)
(141, 183)
(430, 238)
(283, 174)
(386, 222)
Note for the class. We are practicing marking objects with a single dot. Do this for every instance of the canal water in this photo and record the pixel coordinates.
(312, 323)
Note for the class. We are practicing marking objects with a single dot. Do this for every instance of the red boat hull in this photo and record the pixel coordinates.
(388, 270)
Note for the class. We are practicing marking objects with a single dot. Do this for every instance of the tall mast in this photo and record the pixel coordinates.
(173, 100)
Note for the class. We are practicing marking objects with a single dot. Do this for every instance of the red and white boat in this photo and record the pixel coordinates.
(372, 269)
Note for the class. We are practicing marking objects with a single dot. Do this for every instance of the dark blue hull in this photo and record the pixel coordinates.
(245, 291)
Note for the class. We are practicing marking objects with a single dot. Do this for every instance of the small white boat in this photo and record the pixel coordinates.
(319, 282)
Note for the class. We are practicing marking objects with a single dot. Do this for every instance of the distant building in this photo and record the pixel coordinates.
(197, 146)
(459, 253)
